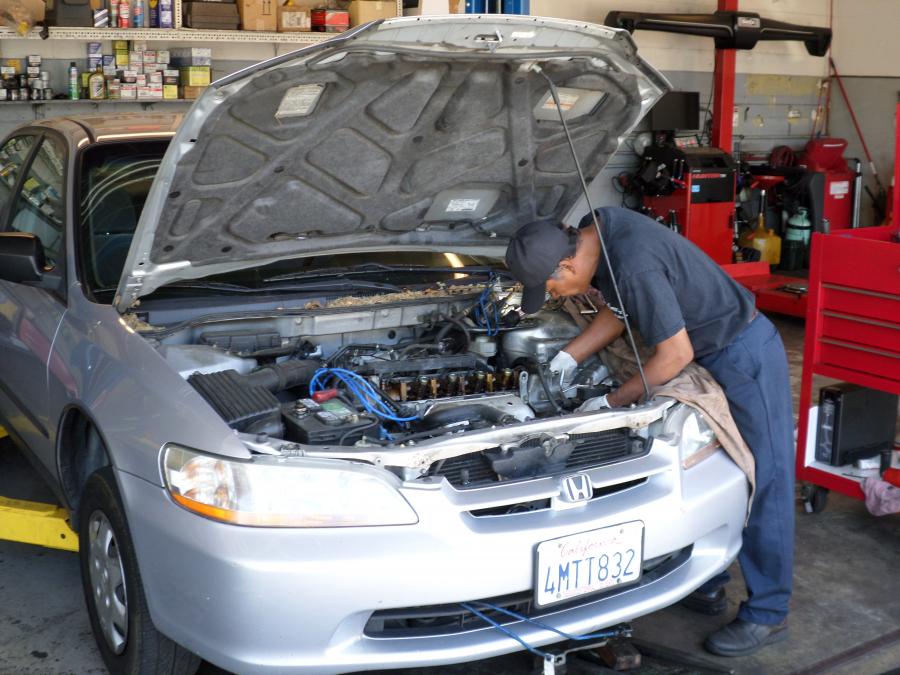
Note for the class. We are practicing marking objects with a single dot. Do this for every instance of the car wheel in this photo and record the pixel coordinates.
(128, 641)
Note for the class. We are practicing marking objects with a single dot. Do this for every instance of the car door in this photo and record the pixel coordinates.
(34, 202)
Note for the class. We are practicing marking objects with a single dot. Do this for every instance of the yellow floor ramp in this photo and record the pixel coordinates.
(35, 522)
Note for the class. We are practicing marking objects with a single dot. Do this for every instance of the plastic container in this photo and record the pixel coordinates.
(765, 241)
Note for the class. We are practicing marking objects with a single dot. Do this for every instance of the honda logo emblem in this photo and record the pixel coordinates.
(577, 488)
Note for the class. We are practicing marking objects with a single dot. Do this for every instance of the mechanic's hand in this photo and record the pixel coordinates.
(564, 366)
(596, 403)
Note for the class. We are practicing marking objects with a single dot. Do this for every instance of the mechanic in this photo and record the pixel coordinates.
(687, 307)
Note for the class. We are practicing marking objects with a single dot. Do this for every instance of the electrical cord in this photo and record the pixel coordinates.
(587, 197)
(547, 656)
(485, 312)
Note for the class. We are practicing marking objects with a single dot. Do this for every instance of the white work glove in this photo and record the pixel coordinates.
(563, 365)
(593, 404)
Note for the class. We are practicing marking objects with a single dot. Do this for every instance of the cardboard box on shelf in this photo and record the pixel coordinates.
(190, 93)
(195, 76)
(293, 19)
(190, 56)
(330, 20)
(220, 15)
(170, 91)
(258, 15)
(364, 11)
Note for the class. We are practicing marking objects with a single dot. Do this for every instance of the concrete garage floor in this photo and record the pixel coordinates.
(845, 615)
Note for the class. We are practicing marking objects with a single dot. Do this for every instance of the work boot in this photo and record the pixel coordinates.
(740, 637)
(712, 603)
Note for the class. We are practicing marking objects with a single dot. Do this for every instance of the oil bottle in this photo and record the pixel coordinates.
(97, 85)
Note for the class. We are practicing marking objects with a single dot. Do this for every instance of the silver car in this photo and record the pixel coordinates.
(270, 360)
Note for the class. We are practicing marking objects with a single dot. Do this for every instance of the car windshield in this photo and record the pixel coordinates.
(115, 180)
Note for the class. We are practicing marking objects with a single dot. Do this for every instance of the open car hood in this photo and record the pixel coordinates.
(425, 133)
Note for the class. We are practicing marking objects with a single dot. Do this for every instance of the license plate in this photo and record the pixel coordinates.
(588, 562)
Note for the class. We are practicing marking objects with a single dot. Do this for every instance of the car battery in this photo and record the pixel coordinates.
(329, 422)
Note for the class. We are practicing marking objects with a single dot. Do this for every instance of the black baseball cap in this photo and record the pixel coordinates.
(533, 254)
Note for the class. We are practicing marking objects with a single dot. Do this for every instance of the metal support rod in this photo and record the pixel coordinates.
(603, 250)
(723, 90)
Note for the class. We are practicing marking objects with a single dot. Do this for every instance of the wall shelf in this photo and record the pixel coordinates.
(104, 101)
(170, 35)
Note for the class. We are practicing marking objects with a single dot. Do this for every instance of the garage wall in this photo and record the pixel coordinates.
(775, 96)
(867, 54)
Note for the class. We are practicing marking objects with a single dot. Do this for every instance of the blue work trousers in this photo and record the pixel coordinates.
(753, 371)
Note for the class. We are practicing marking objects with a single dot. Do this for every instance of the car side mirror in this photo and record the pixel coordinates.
(21, 257)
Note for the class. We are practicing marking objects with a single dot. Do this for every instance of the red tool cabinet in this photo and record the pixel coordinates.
(852, 333)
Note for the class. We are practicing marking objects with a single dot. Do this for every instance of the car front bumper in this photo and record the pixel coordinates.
(263, 600)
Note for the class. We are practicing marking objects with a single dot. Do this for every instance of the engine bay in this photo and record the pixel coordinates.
(437, 368)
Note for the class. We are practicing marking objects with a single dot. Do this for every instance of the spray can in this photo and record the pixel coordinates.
(124, 14)
(138, 14)
(74, 85)
(114, 14)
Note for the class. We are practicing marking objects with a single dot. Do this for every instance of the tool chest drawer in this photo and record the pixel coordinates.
(855, 318)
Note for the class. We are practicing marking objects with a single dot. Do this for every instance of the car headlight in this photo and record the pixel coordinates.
(273, 492)
(696, 440)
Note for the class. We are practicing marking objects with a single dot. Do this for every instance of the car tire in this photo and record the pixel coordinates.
(128, 641)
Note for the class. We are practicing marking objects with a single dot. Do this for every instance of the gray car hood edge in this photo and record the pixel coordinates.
(426, 133)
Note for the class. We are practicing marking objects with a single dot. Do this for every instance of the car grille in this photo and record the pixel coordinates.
(591, 450)
(543, 504)
(439, 620)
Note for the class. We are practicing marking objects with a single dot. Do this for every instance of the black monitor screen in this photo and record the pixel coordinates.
(677, 110)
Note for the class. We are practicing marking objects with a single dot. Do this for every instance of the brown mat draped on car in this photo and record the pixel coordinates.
(694, 385)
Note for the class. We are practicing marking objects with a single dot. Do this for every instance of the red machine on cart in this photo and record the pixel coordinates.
(703, 198)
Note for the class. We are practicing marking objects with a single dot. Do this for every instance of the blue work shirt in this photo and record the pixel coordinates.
(667, 283)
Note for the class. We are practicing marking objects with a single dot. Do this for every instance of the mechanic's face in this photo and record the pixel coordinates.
(568, 280)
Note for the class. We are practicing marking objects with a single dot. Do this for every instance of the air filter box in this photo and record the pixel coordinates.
(244, 406)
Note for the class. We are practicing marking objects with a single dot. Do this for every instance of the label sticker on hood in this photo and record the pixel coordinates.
(566, 101)
(299, 101)
(456, 205)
